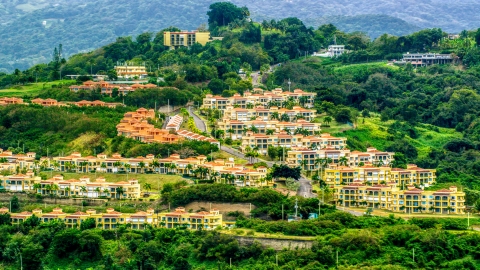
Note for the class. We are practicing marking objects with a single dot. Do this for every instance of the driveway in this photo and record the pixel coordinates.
(198, 122)
(305, 189)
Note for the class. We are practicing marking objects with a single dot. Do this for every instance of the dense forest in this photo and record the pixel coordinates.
(342, 241)
(84, 25)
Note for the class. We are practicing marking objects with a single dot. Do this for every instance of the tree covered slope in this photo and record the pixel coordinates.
(29, 29)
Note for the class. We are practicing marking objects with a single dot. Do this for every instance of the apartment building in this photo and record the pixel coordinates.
(236, 129)
(47, 102)
(297, 142)
(107, 88)
(194, 221)
(4, 101)
(112, 219)
(82, 187)
(18, 182)
(425, 59)
(265, 114)
(259, 97)
(135, 125)
(126, 71)
(337, 153)
(174, 40)
(174, 123)
(10, 162)
(341, 175)
(411, 200)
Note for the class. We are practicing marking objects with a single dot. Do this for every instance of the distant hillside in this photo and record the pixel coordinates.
(373, 25)
(30, 29)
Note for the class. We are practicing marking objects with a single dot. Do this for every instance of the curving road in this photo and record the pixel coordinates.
(305, 189)
(198, 122)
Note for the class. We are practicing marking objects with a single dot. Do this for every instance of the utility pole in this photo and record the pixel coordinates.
(296, 208)
(337, 258)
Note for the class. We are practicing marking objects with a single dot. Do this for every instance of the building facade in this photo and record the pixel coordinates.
(175, 40)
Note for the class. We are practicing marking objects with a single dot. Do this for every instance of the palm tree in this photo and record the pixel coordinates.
(243, 179)
(36, 187)
(173, 167)
(270, 131)
(327, 120)
(66, 191)
(141, 164)
(98, 190)
(253, 129)
(303, 163)
(55, 165)
(189, 168)
(127, 168)
(84, 164)
(343, 161)
(155, 164)
(120, 191)
(3, 160)
(288, 131)
(147, 186)
(55, 188)
(116, 165)
(230, 131)
(83, 189)
(285, 117)
(104, 166)
(106, 192)
(274, 116)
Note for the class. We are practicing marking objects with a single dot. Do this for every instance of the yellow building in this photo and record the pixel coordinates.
(341, 175)
(194, 221)
(259, 97)
(263, 113)
(127, 71)
(174, 40)
(390, 197)
(137, 221)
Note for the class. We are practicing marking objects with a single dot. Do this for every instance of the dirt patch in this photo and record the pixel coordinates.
(224, 208)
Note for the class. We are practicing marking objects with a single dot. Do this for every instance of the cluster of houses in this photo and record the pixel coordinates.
(135, 125)
(54, 103)
(111, 219)
(259, 97)
(107, 88)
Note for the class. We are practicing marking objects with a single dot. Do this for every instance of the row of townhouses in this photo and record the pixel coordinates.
(335, 175)
(54, 103)
(296, 143)
(336, 150)
(263, 113)
(82, 187)
(111, 219)
(259, 97)
(237, 129)
(411, 200)
(107, 88)
(135, 125)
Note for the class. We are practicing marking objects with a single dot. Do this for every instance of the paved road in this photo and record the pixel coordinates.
(305, 189)
(198, 122)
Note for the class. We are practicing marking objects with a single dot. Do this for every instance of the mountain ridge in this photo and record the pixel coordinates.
(27, 38)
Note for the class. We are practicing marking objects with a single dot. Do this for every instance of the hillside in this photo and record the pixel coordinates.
(85, 25)
(373, 25)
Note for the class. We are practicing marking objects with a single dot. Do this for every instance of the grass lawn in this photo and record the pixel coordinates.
(373, 132)
(155, 180)
(225, 155)
(252, 233)
(31, 89)
(334, 126)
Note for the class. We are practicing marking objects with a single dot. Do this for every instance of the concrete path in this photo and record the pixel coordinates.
(198, 122)
(305, 189)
